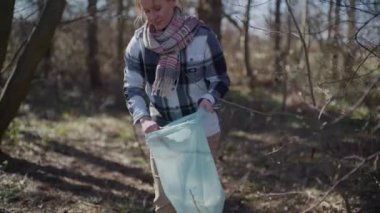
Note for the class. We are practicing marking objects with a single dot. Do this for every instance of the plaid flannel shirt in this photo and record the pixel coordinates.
(203, 75)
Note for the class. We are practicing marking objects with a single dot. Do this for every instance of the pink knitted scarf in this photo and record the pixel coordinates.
(168, 43)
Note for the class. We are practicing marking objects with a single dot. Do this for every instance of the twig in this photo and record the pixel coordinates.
(377, 127)
(359, 102)
(360, 28)
(350, 6)
(324, 107)
(15, 56)
(361, 164)
(281, 193)
(305, 51)
(86, 16)
(349, 79)
(232, 21)
(274, 151)
(355, 157)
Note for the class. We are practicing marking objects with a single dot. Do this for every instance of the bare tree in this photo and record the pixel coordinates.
(18, 83)
(244, 40)
(46, 63)
(335, 57)
(6, 15)
(305, 32)
(120, 44)
(211, 12)
(92, 42)
(277, 39)
(329, 20)
(350, 52)
(308, 69)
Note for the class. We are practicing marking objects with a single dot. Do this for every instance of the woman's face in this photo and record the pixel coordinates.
(158, 12)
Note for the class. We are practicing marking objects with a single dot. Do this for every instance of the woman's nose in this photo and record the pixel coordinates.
(151, 17)
(155, 15)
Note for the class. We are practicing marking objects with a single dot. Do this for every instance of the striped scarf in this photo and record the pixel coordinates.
(177, 35)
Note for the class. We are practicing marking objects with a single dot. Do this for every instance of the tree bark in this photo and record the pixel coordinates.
(349, 55)
(19, 81)
(244, 40)
(6, 16)
(305, 31)
(335, 57)
(277, 39)
(309, 74)
(92, 42)
(120, 35)
(46, 63)
(329, 20)
(211, 12)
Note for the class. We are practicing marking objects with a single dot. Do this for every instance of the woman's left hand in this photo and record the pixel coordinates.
(207, 105)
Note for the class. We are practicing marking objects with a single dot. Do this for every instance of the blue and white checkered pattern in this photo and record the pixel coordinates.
(203, 74)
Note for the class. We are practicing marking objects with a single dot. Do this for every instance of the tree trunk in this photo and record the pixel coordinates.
(6, 16)
(349, 54)
(46, 63)
(285, 54)
(308, 67)
(120, 35)
(211, 11)
(244, 40)
(92, 42)
(305, 31)
(277, 40)
(329, 20)
(335, 57)
(18, 83)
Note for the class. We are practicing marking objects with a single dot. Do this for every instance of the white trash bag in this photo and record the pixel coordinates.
(186, 167)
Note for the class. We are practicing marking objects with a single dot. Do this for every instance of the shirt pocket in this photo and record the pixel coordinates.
(194, 69)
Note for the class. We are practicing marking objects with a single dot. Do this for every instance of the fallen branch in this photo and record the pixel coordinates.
(361, 164)
(274, 151)
(280, 194)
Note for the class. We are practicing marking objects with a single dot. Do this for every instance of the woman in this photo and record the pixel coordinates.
(179, 62)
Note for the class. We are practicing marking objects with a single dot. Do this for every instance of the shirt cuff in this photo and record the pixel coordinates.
(138, 117)
(209, 97)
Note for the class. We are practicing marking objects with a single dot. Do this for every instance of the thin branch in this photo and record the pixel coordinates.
(349, 6)
(281, 193)
(375, 163)
(14, 58)
(361, 28)
(327, 193)
(306, 53)
(354, 157)
(349, 79)
(233, 22)
(359, 102)
(274, 151)
(83, 17)
(324, 107)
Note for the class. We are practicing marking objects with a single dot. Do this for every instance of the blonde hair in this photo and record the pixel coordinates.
(140, 14)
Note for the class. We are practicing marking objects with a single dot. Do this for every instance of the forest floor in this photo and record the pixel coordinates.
(80, 153)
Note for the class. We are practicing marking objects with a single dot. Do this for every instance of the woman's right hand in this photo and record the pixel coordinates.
(148, 125)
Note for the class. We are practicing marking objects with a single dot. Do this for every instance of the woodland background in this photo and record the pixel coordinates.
(301, 123)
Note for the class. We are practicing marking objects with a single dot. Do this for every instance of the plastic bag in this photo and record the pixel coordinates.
(185, 165)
